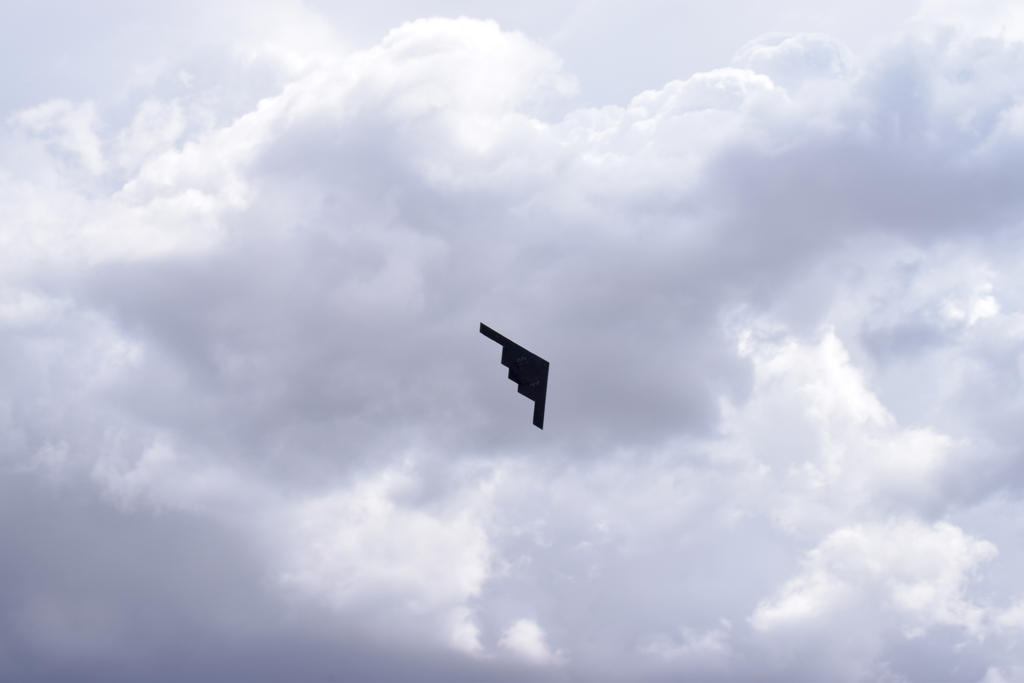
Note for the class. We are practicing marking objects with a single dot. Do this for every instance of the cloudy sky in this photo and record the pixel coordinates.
(774, 253)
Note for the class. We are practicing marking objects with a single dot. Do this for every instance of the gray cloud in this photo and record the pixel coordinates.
(248, 428)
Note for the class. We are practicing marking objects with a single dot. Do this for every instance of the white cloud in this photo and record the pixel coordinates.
(692, 645)
(834, 450)
(792, 59)
(910, 572)
(780, 299)
(362, 546)
(526, 639)
(1012, 674)
(156, 126)
(986, 17)
(465, 634)
(69, 127)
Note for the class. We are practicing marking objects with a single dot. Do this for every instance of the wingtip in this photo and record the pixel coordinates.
(492, 335)
(538, 414)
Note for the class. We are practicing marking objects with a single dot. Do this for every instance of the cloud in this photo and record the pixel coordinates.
(525, 639)
(885, 587)
(919, 571)
(989, 18)
(792, 59)
(996, 675)
(779, 298)
(69, 127)
(368, 547)
(712, 644)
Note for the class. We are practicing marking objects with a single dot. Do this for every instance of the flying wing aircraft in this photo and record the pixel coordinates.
(526, 369)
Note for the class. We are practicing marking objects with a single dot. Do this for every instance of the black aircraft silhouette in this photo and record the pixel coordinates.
(526, 369)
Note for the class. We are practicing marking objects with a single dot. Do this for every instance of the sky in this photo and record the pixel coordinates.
(772, 251)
